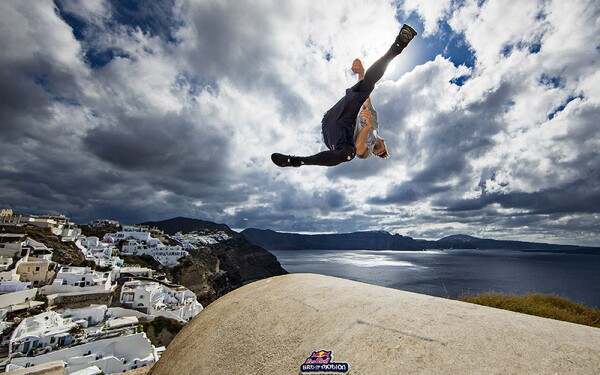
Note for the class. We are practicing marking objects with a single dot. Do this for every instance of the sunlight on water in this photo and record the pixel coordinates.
(365, 259)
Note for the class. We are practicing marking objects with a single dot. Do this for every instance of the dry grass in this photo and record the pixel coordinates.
(547, 306)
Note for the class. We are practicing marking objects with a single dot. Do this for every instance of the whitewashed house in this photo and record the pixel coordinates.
(139, 241)
(37, 249)
(104, 223)
(83, 277)
(115, 355)
(17, 297)
(101, 323)
(11, 274)
(134, 272)
(157, 299)
(198, 239)
(11, 245)
(19, 300)
(88, 242)
(98, 252)
(14, 286)
(43, 332)
(137, 233)
(59, 225)
(167, 255)
(97, 335)
(87, 316)
(5, 263)
(77, 281)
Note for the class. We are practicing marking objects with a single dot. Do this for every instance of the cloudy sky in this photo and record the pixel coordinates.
(146, 110)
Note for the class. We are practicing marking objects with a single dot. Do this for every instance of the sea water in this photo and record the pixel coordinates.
(451, 273)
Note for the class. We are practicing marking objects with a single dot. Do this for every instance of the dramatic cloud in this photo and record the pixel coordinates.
(152, 109)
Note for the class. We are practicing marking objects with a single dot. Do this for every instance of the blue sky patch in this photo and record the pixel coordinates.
(77, 25)
(535, 47)
(445, 42)
(554, 82)
(561, 107)
(459, 81)
(195, 84)
(155, 18)
(152, 18)
(98, 58)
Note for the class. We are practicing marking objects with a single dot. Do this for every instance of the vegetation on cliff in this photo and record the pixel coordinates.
(547, 306)
(161, 331)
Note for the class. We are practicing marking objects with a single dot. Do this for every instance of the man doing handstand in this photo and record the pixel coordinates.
(338, 124)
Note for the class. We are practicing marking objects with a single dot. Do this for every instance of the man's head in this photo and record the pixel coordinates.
(380, 149)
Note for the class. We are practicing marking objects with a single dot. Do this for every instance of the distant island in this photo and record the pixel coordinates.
(381, 240)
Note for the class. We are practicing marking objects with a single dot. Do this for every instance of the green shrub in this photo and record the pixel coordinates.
(547, 306)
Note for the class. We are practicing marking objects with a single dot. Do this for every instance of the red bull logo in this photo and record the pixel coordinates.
(320, 362)
(320, 357)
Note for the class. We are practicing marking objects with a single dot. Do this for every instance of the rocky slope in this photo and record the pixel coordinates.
(222, 261)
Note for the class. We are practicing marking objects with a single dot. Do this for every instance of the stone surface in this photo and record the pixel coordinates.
(272, 326)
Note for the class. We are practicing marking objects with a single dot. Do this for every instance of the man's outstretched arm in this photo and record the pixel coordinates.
(361, 138)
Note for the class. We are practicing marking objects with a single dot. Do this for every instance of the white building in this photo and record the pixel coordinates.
(137, 233)
(45, 332)
(11, 244)
(134, 272)
(14, 286)
(139, 241)
(59, 225)
(5, 263)
(73, 281)
(157, 299)
(87, 316)
(88, 242)
(104, 223)
(100, 322)
(11, 274)
(99, 252)
(16, 297)
(167, 255)
(115, 355)
(83, 277)
(194, 240)
(99, 336)
(38, 249)
(19, 300)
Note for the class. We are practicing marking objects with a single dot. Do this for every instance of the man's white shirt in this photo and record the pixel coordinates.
(372, 136)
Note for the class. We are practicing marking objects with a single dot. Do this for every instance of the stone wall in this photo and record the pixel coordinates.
(76, 300)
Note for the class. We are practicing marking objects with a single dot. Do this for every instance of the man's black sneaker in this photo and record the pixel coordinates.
(406, 34)
(285, 160)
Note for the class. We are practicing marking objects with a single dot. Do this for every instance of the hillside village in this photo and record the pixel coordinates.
(87, 299)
